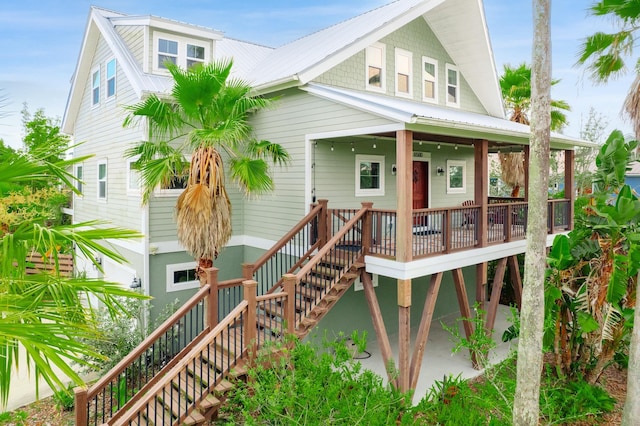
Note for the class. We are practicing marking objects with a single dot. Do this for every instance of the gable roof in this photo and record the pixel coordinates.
(459, 25)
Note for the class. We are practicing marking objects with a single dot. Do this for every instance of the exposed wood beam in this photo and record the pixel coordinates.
(516, 279)
(481, 188)
(465, 311)
(378, 325)
(481, 284)
(423, 330)
(404, 344)
(404, 196)
(496, 290)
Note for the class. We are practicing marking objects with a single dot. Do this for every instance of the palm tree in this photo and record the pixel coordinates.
(515, 84)
(47, 314)
(207, 115)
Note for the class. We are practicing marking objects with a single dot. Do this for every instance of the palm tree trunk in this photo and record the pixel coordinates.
(526, 402)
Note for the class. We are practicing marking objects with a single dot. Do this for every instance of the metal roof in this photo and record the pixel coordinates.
(437, 117)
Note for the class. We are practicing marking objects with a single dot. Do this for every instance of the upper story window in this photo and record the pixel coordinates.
(133, 178)
(429, 79)
(182, 51)
(167, 52)
(375, 57)
(404, 64)
(111, 78)
(195, 55)
(95, 87)
(102, 180)
(369, 175)
(79, 177)
(453, 85)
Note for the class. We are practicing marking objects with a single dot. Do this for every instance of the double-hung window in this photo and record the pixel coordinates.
(404, 64)
(375, 57)
(95, 87)
(453, 85)
(79, 177)
(111, 78)
(369, 175)
(429, 80)
(102, 180)
(167, 52)
(195, 55)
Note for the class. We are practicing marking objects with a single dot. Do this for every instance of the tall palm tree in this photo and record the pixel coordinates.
(207, 115)
(46, 313)
(515, 84)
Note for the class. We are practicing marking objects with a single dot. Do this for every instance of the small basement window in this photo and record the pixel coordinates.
(182, 276)
(369, 175)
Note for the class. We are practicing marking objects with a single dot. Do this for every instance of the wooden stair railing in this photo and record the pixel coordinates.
(290, 252)
(134, 374)
(185, 394)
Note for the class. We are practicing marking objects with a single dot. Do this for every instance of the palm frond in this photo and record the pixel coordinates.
(252, 175)
(265, 149)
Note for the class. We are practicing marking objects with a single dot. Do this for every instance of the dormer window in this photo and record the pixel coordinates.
(180, 50)
(376, 74)
(195, 55)
(167, 52)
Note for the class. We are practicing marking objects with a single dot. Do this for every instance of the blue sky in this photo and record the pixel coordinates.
(42, 38)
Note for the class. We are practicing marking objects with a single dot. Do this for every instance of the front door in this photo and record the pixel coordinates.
(420, 185)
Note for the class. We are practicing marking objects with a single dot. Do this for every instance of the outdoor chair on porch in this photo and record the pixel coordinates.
(469, 216)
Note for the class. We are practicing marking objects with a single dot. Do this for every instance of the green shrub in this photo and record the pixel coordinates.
(64, 399)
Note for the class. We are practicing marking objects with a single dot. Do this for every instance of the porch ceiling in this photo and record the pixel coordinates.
(438, 124)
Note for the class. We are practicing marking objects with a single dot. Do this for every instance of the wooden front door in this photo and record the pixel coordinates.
(420, 185)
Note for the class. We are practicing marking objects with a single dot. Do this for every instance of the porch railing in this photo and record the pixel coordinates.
(438, 231)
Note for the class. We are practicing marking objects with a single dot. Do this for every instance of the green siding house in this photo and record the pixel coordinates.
(390, 118)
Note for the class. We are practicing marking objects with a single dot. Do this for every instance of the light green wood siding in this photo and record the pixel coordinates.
(415, 37)
(99, 132)
(296, 114)
(133, 37)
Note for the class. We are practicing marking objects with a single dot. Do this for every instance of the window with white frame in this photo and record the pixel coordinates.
(456, 177)
(195, 55)
(133, 178)
(429, 79)
(102, 180)
(79, 176)
(404, 64)
(182, 51)
(375, 57)
(111, 78)
(369, 175)
(182, 276)
(453, 85)
(177, 183)
(95, 87)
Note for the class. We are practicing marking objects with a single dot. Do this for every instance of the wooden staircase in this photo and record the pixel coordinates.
(191, 388)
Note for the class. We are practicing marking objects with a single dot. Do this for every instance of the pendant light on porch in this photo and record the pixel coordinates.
(456, 147)
(352, 147)
(332, 148)
(438, 146)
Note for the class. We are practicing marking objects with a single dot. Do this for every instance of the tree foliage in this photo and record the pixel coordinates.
(592, 272)
(46, 313)
(42, 137)
(207, 116)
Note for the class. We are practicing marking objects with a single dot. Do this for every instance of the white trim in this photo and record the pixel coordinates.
(106, 180)
(93, 72)
(447, 68)
(383, 68)
(446, 262)
(401, 53)
(370, 192)
(185, 285)
(168, 25)
(357, 284)
(181, 56)
(106, 79)
(434, 62)
(456, 163)
(132, 192)
(134, 246)
(164, 247)
(394, 127)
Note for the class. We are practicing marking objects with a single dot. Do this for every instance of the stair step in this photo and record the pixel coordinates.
(308, 322)
(325, 271)
(195, 418)
(173, 400)
(157, 414)
(188, 385)
(210, 402)
(330, 298)
(224, 386)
